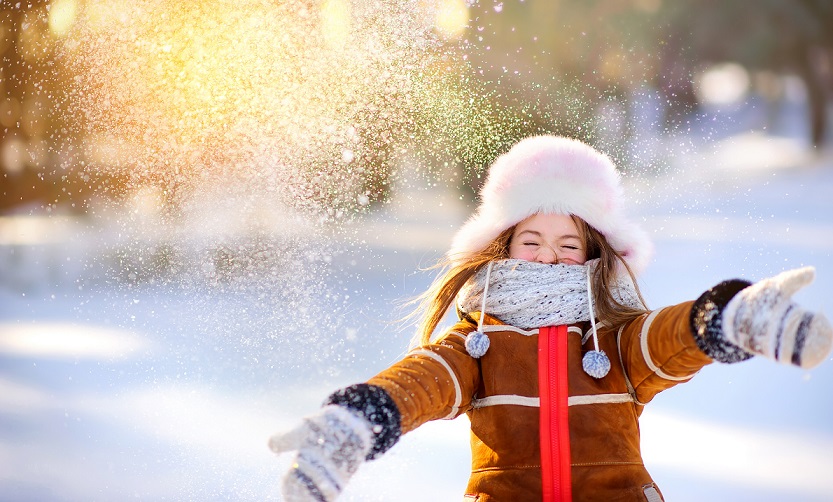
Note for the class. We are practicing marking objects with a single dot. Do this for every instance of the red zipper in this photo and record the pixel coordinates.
(554, 425)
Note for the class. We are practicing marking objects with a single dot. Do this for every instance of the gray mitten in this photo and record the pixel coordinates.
(331, 446)
(762, 319)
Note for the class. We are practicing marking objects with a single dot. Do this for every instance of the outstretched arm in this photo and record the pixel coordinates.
(735, 318)
(362, 421)
(729, 323)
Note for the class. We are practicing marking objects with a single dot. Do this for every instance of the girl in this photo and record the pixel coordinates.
(555, 354)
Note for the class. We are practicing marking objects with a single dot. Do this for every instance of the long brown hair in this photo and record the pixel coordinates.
(607, 307)
(435, 302)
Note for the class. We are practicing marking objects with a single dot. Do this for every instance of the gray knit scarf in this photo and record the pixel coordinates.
(529, 295)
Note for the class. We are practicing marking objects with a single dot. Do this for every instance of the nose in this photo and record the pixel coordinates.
(546, 254)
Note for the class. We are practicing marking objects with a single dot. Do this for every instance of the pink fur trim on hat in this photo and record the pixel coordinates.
(550, 174)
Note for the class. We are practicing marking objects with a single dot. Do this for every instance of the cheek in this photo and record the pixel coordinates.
(520, 253)
(577, 257)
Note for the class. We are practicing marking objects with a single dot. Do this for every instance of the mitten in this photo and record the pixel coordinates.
(331, 446)
(762, 319)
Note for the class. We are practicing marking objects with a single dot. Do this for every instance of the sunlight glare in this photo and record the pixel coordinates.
(335, 23)
(215, 90)
(68, 341)
(452, 18)
(61, 16)
(722, 84)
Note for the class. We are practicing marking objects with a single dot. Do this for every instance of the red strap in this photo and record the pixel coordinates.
(555, 429)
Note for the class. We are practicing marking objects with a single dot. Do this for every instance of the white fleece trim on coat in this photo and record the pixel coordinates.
(646, 352)
(506, 399)
(458, 393)
(535, 402)
(457, 333)
(491, 328)
(628, 383)
(600, 399)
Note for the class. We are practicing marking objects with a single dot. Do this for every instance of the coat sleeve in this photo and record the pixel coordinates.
(658, 351)
(670, 345)
(430, 382)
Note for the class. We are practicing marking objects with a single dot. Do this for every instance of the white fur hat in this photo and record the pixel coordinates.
(549, 174)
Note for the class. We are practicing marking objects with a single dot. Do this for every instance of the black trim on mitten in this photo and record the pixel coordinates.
(375, 406)
(707, 322)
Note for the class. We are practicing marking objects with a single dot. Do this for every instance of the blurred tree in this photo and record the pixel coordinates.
(561, 59)
(783, 36)
(37, 161)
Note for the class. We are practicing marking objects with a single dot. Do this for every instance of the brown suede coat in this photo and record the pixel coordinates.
(499, 392)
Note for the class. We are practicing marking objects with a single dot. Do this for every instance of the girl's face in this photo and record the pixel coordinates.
(548, 238)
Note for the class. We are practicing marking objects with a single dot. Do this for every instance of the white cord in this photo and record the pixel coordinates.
(483, 304)
(592, 314)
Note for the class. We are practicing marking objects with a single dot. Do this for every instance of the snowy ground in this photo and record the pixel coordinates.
(110, 391)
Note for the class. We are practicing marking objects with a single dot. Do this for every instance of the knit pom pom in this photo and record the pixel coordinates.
(477, 344)
(595, 363)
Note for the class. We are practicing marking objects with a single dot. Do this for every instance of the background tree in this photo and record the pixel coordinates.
(781, 36)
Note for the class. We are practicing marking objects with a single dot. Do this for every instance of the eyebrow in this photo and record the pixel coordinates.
(530, 232)
(535, 232)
